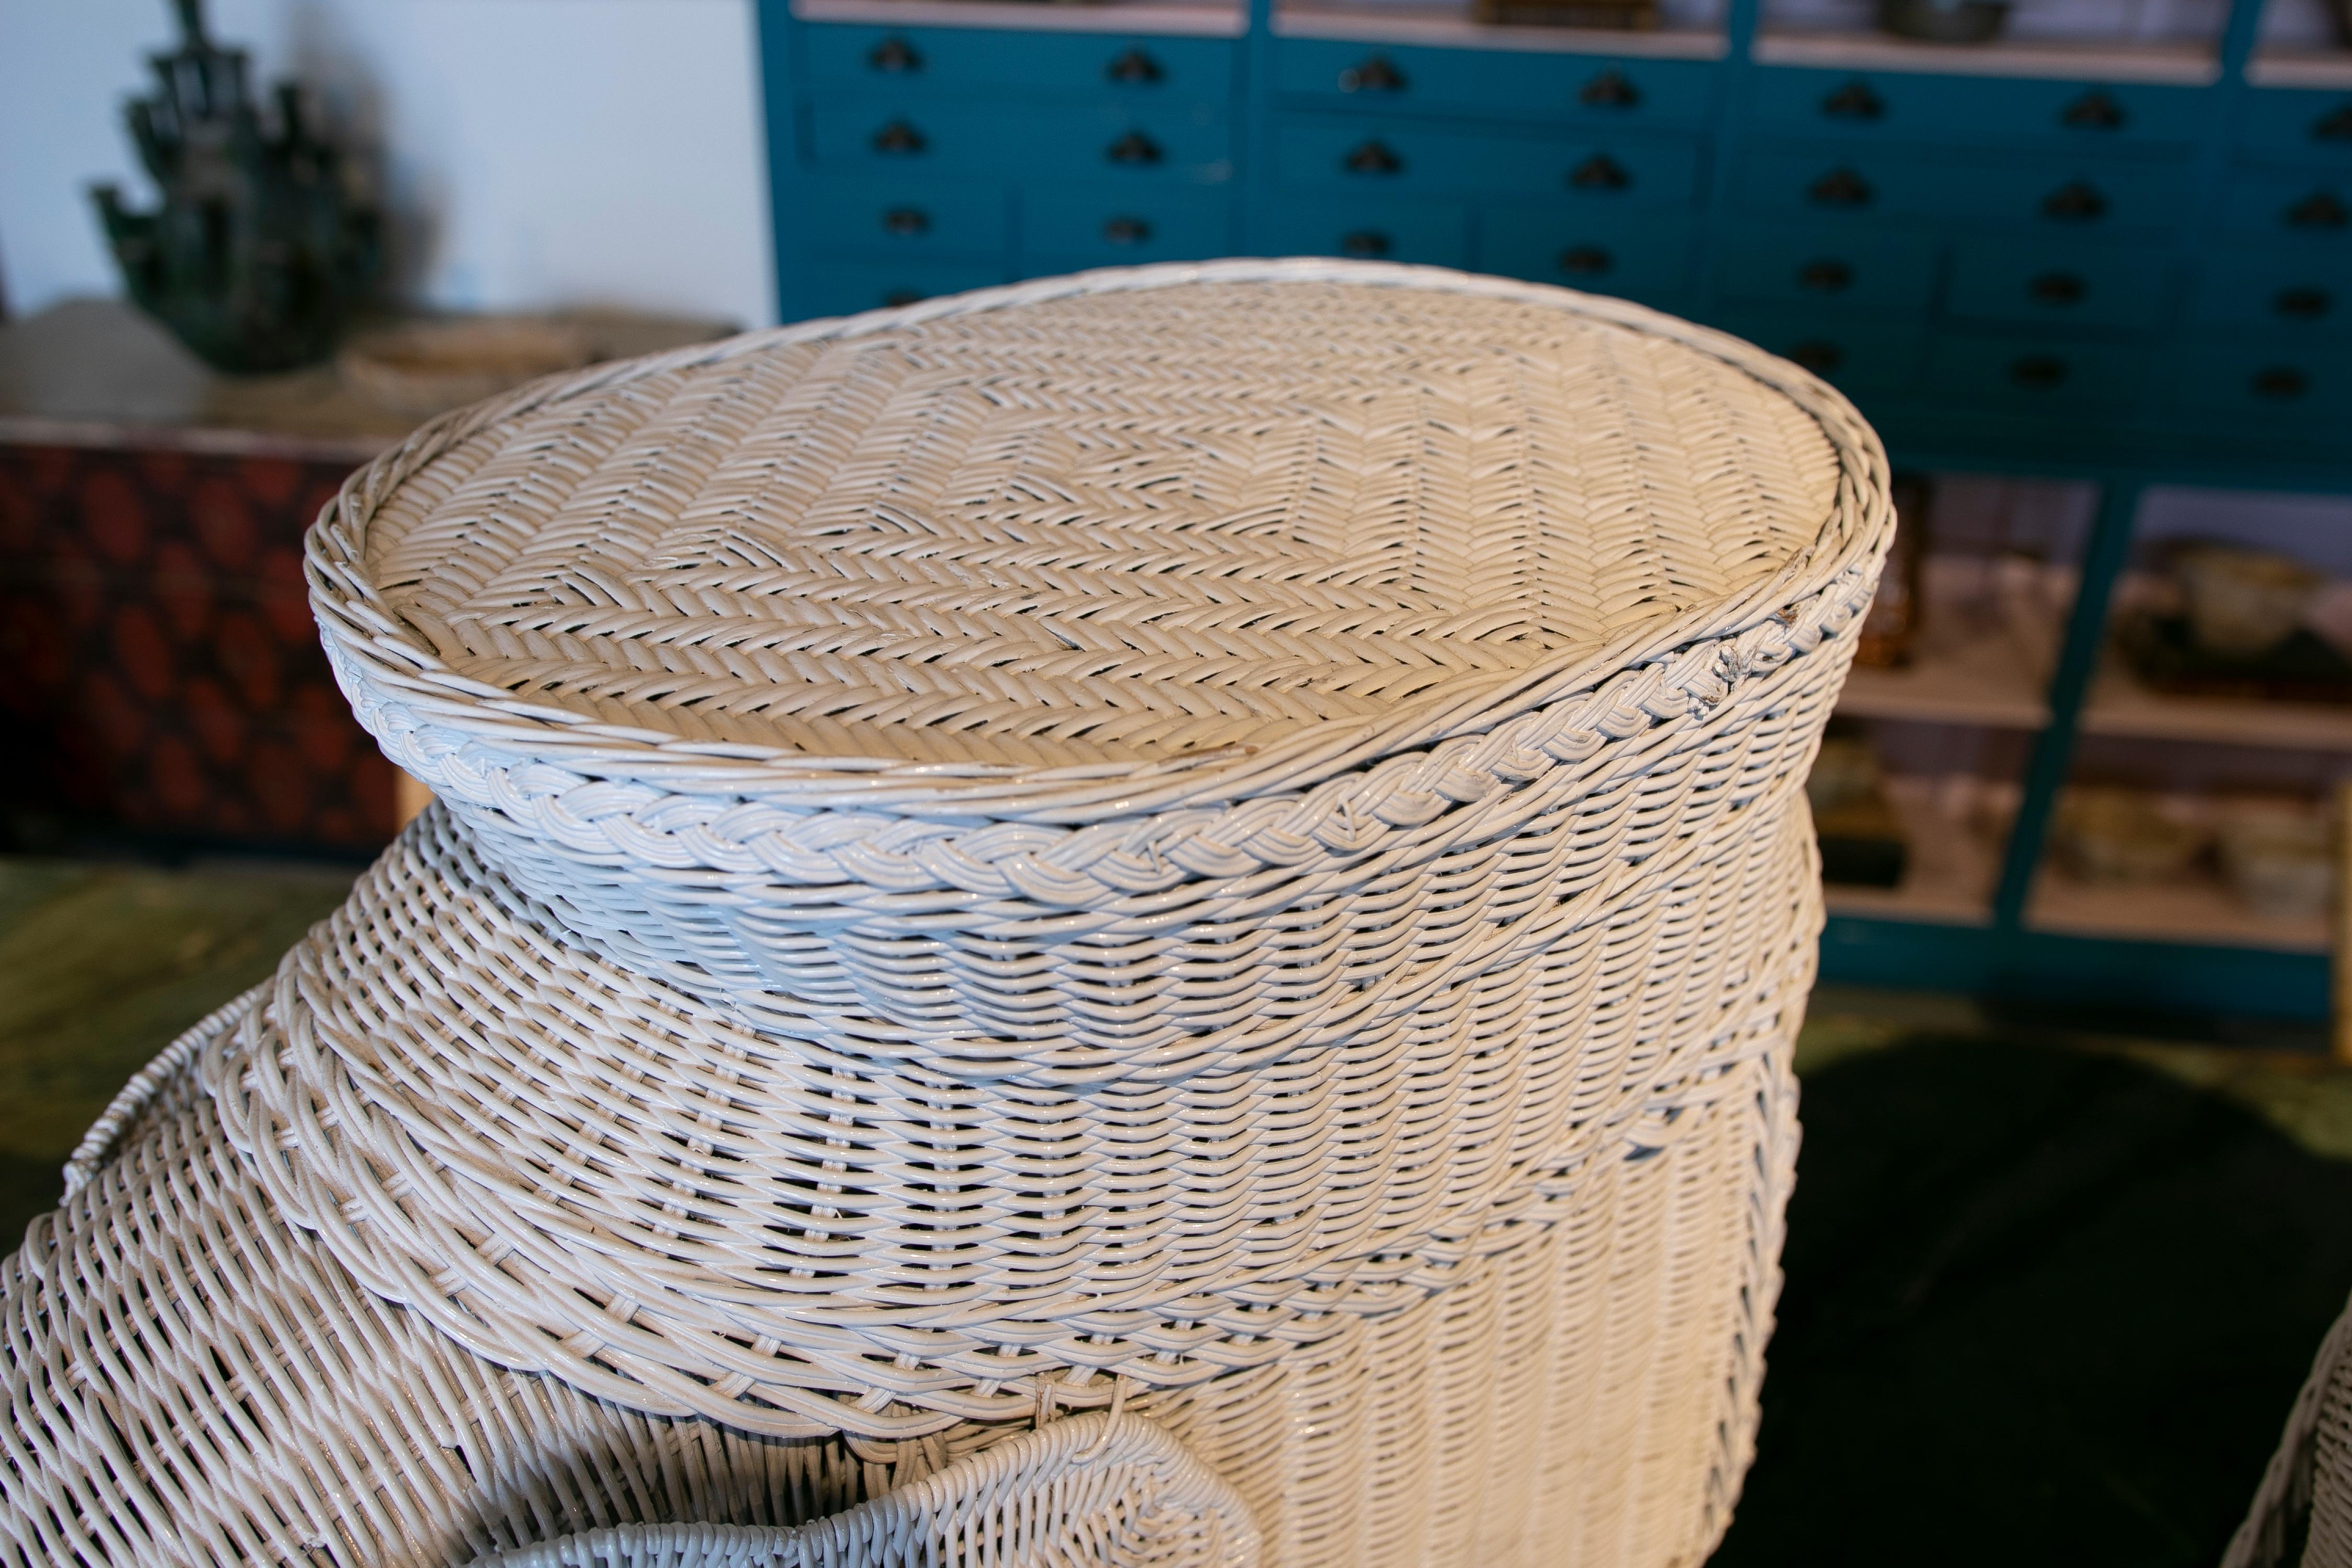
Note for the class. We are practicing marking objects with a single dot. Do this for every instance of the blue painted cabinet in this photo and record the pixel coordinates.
(2157, 261)
(2129, 280)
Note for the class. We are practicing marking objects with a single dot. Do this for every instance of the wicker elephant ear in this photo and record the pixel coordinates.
(1095, 1492)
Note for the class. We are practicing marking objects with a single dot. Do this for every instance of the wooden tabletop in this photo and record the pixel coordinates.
(100, 373)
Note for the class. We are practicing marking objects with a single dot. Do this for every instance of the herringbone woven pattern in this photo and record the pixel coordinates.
(1221, 843)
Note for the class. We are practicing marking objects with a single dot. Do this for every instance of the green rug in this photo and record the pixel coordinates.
(100, 967)
(2049, 1294)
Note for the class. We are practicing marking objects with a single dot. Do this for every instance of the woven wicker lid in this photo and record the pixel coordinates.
(1170, 530)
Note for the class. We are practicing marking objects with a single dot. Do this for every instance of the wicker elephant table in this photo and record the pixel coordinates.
(1147, 918)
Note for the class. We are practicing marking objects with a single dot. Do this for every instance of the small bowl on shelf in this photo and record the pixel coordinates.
(2241, 603)
(2279, 858)
(1944, 21)
(2119, 837)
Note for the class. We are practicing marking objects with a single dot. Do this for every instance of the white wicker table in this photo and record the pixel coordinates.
(1150, 918)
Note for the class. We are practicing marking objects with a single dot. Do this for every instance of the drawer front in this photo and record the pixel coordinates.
(1854, 353)
(1436, 234)
(842, 288)
(2080, 284)
(1587, 88)
(1837, 267)
(1386, 157)
(2023, 375)
(1170, 144)
(2297, 289)
(2259, 380)
(2288, 204)
(918, 60)
(1641, 255)
(2283, 124)
(905, 218)
(1114, 224)
(2081, 196)
(1900, 106)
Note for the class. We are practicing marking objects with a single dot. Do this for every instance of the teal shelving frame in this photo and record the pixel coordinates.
(2162, 424)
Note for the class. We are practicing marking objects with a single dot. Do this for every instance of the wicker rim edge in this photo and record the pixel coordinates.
(370, 647)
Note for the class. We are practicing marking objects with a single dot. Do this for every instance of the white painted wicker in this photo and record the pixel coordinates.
(2301, 1516)
(1223, 840)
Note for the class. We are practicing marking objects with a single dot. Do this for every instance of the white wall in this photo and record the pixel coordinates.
(533, 153)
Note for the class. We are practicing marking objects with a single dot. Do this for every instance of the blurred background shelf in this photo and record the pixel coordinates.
(1175, 18)
(2312, 69)
(1982, 680)
(2121, 705)
(1952, 865)
(1453, 26)
(2162, 61)
(2195, 910)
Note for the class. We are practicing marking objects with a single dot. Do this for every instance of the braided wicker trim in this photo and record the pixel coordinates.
(572, 1169)
(902, 938)
(398, 682)
(1112, 864)
(1094, 1489)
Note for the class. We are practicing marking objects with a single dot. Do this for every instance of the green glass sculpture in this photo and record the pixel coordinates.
(258, 252)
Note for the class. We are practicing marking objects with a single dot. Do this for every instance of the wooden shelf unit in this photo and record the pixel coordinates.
(1954, 862)
(2120, 705)
(2180, 64)
(1444, 25)
(1985, 682)
(1170, 18)
(2200, 909)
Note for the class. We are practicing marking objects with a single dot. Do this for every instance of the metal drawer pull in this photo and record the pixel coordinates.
(2095, 111)
(907, 221)
(895, 56)
(1127, 231)
(1135, 68)
(1364, 244)
(900, 139)
(1825, 277)
(2302, 304)
(1377, 74)
(2336, 125)
(1134, 147)
(1372, 158)
(1819, 355)
(1586, 261)
(2281, 383)
(2321, 209)
(1854, 101)
(1840, 188)
(1600, 172)
(1610, 90)
(2074, 202)
(2038, 372)
(2057, 288)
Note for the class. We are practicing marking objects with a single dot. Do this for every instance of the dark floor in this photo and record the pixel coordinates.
(2049, 1294)
(2044, 1306)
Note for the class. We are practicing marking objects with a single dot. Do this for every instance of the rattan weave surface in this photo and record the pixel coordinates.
(1223, 842)
(1111, 525)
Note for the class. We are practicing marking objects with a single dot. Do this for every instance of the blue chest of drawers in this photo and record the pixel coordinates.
(2131, 266)
(1964, 244)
